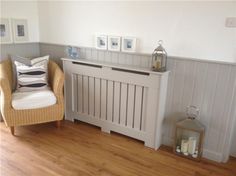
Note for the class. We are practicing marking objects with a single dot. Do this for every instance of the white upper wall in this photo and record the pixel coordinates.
(188, 29)
(23, 10)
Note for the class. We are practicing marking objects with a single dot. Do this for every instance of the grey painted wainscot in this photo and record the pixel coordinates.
(21, 49)
(211, 86)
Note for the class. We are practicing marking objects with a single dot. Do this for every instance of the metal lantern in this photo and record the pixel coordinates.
(189, 136)
(159, 58)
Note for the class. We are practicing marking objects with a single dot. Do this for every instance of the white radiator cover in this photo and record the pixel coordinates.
(118, 98)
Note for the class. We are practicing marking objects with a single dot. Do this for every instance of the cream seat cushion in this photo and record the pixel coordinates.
(33, 99)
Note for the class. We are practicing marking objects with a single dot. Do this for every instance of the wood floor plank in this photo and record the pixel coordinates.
(82, 149)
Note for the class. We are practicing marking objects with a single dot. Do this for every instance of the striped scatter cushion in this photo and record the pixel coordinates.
(34, 77)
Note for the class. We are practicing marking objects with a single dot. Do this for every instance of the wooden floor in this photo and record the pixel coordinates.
(80, 149)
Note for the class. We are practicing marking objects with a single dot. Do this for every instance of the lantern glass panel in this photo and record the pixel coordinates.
(189, 138)
(187, 135)
(157, 62)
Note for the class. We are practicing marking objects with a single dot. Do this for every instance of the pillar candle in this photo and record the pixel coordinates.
(184, 146)
(192, 142)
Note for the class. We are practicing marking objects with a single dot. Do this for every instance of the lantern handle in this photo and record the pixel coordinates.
(160, 42)
(190, 112)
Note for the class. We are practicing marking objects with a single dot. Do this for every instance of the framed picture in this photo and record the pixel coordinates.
(101, 42)
(20, 30)
(129, 44)
(5, 31)
(113, 43)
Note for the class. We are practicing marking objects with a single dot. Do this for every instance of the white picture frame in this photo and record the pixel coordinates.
(20, 30)
(129, 44)
(101, 42)
(5, 31)
(114, 43)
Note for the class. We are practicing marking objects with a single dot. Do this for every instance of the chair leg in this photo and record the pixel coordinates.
(58, 123)
(12, 130)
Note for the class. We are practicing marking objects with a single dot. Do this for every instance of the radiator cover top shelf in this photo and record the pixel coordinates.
(101, 64)
(125, 99)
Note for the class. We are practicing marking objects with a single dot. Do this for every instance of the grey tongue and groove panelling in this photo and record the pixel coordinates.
(22, 49)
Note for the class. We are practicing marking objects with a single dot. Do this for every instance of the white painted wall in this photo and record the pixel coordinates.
(23, 10)
(189, 29)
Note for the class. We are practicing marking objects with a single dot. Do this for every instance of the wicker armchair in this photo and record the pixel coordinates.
(14, 117)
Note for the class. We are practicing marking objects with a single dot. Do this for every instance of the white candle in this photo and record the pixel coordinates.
(194, 155)
(192, 145)
(184, 146)
(186, 153)
(178, 149)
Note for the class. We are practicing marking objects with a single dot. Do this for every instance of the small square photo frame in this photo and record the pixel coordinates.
(20, 30)
(5, 31)
(101, 42)
(129, 44)
(114, 43)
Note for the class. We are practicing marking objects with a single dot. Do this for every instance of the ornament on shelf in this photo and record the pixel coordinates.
(72, 52)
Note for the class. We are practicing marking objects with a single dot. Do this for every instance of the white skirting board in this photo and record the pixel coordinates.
(127, 100)
(233, 142)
